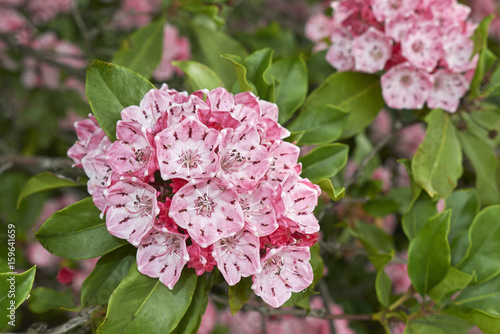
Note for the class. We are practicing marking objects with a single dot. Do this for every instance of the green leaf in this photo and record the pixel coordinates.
(482, 156)
(437, 164)
(429, 253)
(107, 275)
(320, 125)
(257, 65)
(488, 323)
(437, 324)
(464, 206)
(239, 294)
(316, 263)
(421, 209)
(291, 92)
(374, 239)
(357, 94)
(324, 161)
(142, 50)
(212, 45)
(111, 88)
(15, 290)
(44, 299)
(241, 73)
(482, 258)
(480, 39)
(383, 285)
(454, 281)
(192, 319)
(77, 232)
(141, 304)
(485, 297)
(334, 193)
(44, 181)
(199, 76)
(362, 148)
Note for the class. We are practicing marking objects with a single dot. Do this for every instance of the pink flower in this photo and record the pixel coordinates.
(65, 276)
(237, 256)
(208, 209)
(40, 257)
(371, 51)
(201, 259)
(398, 273)
(410, 139)
(384, 175)
(43, 11)
(447, 90)
(318, 27)
(387, 9)
(187, 150)
(163, 254)
(135, 13)
(381, 126)
(209, 319)
(175, 47)
(132, 209)
(259, 209)
(405, 87)
(284, 270)
(422, 45)
(11, 21)
(339, 54)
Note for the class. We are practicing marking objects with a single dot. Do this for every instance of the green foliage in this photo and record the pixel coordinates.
(144, 304)
(420, 210)
(481, 259)
(335, 193)
(480, 46)
(45, 299)
(107, 274)
(429, 253)
(77, 232)
(437, 324)
(437, 164)
(15, 289)
(239, 294)
(111, 88)
(199, 76)
(44, 181)
(324, 161)
(141, 51)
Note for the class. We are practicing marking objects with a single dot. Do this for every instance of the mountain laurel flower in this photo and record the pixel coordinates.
(202, 180)
(429, 37)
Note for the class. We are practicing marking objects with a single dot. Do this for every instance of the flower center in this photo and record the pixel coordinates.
(143, 205)
(417, 47)
(231, 161)
(406, 80)
(204, 206)
(394, 4)
(376, 53)
(143, 154)
(189, 159)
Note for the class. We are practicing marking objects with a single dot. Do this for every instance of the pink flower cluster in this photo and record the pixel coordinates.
(201, 180)
(423, 46)
(175, 47)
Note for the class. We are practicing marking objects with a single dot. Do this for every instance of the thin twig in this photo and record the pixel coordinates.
(327, 302)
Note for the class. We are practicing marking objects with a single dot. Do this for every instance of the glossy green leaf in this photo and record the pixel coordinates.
(324, 161)
(437, 324)
(192, 319)
(420, 210)
(383, 286)
(291, 91)
(77, 232)
(257, 65)
(464, 206)
(429, 254)
(316, 263)
(199, 76)
(334, 193)
(141, 52)
(354, 96)
(111, 88)
(480, 39)
(239, 294)
(485, 297)
(437, 164)
(44, 299)
(44, 181)
(482, 259)
(481, 154)
(15, 290)
(212, 45)
(489, 324)
(381, 207)
(454, 281)
(320, 125)
(241, 74)
(107, 275)
(141, 304)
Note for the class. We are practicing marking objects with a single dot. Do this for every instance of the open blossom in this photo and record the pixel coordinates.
(203, 180)
(410, 40)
